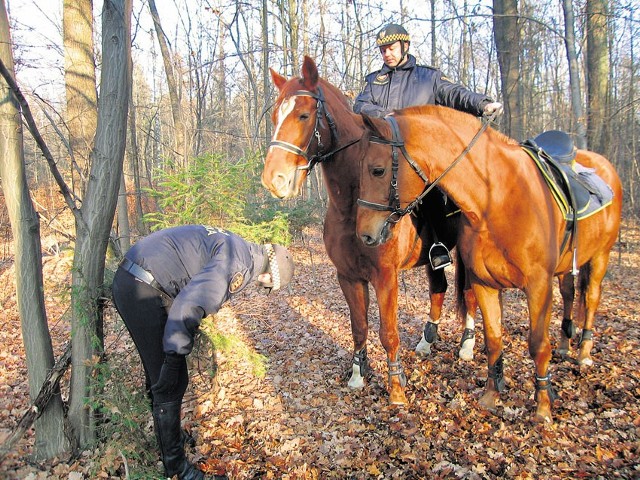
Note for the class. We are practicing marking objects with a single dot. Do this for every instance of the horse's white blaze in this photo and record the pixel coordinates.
(286, 107)
(466, 349)
(356, 380)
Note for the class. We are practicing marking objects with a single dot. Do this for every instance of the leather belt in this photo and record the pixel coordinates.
(141, 274)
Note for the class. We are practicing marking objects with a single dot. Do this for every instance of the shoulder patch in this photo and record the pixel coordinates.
(382, 79)
(236, 282)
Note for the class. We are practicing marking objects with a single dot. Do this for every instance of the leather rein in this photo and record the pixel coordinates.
(397, 143)
(321, 112)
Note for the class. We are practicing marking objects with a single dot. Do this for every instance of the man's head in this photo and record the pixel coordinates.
(393, 41)
(278, 269)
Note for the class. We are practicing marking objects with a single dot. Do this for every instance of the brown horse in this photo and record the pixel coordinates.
(314, 124)
(512, 231)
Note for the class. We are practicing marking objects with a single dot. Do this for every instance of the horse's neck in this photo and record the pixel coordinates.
(341, 171)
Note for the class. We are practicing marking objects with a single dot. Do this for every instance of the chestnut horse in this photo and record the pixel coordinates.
(512, 233)
(314, 123)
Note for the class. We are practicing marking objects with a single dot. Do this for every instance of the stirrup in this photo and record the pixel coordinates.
(444, 259)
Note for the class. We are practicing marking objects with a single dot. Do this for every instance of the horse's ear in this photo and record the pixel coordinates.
(374, 124)
(278, 80)
(309, 73)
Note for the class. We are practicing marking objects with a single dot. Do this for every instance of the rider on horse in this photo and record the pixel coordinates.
(402, 83)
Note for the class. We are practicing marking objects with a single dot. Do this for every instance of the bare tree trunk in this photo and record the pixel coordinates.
(181, 149)
(98, 211)
(135, 165)
(80, 82)
(574, 76)
(25, 228)
(598, 91)
(266, 78)
(507, 37)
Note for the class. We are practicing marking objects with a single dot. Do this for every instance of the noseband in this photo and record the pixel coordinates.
(321, 112)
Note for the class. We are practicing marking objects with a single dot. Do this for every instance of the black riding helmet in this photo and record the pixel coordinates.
(393, 33)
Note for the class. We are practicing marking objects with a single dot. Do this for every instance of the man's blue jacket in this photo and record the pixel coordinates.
(411, 84)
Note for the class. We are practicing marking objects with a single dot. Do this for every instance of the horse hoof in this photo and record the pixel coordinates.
(543, 417)
(356, 382)
(466, 353)
(398, 398)
(585, 362)
(488, 401)
(562, 352)
(423, 348)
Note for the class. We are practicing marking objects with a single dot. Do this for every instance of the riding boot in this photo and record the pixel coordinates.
(166, 417)
(439, 256)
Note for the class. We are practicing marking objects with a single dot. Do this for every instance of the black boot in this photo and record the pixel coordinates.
(166, 418)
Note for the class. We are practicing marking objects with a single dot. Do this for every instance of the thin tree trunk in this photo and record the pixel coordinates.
(597, 76)
(25, 227)
(98, 210)
(181, 149)
(80, 82)
(507, 37)
(574, 76)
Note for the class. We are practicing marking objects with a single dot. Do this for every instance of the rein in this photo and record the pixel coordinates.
(321, 111)
(394, 197)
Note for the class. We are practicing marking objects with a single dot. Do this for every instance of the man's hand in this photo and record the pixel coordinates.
(493, 108)
(169, 374)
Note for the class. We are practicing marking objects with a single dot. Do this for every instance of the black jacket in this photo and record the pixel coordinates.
(200, 267)
(409, 85)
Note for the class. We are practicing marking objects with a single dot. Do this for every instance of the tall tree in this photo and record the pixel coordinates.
(80, 83)
(182, 150)
(598, 90)
(94, 219)
(574, 76)
(506, 30)
(25, 227)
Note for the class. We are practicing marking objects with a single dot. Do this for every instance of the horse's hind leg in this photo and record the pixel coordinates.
(357, 297)
(467, 306)
(590, 291)
(568, 329)
(437, 289)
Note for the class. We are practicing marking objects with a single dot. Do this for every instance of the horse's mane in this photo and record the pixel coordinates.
(455, 116)
(326, 85)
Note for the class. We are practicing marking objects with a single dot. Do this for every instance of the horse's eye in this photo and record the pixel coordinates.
(304, 116)
(378, 171)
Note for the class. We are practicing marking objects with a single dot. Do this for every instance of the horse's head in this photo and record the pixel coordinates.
(382, 202)
(297, 136)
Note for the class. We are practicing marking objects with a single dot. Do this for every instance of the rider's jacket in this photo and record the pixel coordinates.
(411, 84)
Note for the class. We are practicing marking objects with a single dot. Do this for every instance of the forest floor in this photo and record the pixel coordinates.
(297, 419)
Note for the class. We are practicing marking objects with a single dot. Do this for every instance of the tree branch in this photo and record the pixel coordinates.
(33, 129)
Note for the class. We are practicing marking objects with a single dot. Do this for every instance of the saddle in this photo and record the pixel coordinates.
(578, 190)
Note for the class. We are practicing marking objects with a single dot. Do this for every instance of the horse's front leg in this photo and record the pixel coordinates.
(386, 287)
(356, 294)
(467, 307)
(437, 289)
(568, 329)
(491, 308)
(539, 299)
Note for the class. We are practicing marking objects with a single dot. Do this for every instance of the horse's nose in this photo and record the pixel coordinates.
(276, 184)
(368, 240)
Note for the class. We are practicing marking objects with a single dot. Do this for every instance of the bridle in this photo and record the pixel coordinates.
(321, 112)
(397, 143)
